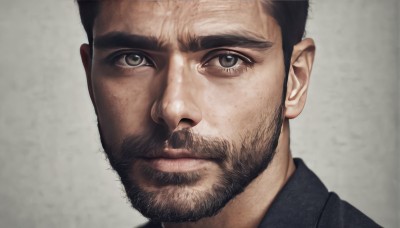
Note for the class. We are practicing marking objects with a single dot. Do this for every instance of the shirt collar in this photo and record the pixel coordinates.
(299, 203)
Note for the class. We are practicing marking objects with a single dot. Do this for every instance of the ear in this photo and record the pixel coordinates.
(299, 77)
(87, 64)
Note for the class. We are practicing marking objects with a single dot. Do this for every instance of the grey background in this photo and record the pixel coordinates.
(52, 169)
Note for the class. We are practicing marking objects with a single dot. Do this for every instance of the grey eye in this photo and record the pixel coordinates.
(228, 60)
(134, 59)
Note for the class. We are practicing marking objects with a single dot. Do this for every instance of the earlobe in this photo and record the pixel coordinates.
(299, 77)
(87, 64)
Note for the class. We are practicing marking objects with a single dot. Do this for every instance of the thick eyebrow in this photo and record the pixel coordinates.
(225, 40)
(193, 44)
(126, 40)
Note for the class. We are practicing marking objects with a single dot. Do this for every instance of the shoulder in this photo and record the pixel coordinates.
(338, 213)
(304, 201)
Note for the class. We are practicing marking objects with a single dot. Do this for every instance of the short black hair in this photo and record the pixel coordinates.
(291, 16)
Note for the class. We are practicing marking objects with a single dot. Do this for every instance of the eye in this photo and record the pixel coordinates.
(131, 60)
(228, 61)
(134, 59)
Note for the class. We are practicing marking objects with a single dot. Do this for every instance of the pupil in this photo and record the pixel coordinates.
(134, 59)
(228, 60)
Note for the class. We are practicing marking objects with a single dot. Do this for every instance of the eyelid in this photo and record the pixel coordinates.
(209, 67)
(114, 57)
(218, 52)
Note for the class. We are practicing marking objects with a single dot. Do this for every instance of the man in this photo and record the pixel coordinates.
(193, 100)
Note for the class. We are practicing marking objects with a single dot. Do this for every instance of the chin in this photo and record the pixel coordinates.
(178, 203)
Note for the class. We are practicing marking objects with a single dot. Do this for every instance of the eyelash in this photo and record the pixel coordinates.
(216, 54)
(213, 55)
(114, 58)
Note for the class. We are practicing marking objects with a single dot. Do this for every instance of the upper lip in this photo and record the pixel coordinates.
(170, 153)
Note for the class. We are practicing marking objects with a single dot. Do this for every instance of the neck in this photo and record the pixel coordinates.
(248, 208)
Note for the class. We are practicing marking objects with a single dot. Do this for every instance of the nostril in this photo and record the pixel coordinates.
(175, 114)
(186, 122)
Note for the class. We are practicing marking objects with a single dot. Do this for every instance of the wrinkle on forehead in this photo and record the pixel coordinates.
(172, 20)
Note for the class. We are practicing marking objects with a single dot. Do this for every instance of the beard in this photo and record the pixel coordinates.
(174, 196)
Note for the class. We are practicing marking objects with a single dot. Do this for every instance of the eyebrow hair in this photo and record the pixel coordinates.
(194, 44)
(224, 40)
(122, 39)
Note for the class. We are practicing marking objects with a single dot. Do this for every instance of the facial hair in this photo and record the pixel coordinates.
(174, 198)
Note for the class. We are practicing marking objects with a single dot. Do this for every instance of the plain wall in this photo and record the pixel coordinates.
(53, 172)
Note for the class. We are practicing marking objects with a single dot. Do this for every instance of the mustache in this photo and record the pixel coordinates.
(153, 145)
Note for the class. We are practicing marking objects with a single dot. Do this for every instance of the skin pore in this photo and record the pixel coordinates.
(213, 67)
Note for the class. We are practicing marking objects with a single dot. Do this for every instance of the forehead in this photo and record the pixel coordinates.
(176, 19)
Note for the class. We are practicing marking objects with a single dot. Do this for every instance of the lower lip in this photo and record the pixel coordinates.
(177, 164)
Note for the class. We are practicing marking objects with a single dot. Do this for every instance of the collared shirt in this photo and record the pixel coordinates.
(304, 202)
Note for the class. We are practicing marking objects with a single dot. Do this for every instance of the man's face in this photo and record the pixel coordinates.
(189, 100)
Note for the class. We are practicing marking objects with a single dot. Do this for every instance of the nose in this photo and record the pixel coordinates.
(177, 107)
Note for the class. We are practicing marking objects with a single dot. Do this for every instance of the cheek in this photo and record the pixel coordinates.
(123, 108)
(239, 105)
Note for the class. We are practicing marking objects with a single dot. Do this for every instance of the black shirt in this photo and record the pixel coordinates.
(304, 202)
